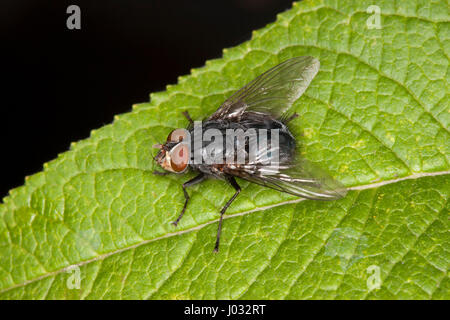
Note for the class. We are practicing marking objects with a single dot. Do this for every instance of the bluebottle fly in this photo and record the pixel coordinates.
(261, 105)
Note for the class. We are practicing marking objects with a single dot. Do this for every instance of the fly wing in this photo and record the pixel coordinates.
(301, 178)
(273, 92)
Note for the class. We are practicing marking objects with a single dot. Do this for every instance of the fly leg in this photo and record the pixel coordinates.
(159, 173)
(291, 117)
(236, 187)
(195, 180)
(186, 114)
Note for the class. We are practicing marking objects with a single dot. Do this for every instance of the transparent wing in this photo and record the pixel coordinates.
(301, 178)
(273, 92)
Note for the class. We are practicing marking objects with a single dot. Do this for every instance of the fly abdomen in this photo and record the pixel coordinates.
(256, 139)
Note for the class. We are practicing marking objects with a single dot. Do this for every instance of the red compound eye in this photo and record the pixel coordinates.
(179, 157)
(177, 135)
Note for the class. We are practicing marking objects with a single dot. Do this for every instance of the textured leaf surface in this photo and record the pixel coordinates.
(376, 116)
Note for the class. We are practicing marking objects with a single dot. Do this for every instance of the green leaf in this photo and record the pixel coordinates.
(376, 116)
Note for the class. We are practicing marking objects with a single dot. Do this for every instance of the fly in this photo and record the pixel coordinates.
(260, 105)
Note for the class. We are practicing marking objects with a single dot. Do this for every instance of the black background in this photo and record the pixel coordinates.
(59, 84)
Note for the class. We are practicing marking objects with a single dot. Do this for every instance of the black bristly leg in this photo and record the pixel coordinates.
(186, 114)
(199, 178)
(236, 187)
(292, 117)
(159, 173)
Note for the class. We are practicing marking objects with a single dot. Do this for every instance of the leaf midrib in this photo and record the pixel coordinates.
(201, 226)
